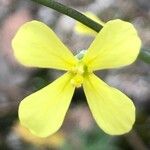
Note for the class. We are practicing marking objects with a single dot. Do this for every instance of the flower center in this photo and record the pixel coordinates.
(78, 75)
(79, 71)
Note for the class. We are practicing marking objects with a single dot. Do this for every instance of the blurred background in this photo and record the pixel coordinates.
(79, 131)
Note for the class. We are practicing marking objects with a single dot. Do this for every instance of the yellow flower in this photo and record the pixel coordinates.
(43, 112)
(55, 141)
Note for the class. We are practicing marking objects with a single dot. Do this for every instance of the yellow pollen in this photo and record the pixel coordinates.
(77, 80)
(78, 74)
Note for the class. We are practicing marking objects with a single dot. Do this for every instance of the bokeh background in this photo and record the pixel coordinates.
(79, 131)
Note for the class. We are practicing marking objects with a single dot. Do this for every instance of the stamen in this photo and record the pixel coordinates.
(79, 71)
(77, 80)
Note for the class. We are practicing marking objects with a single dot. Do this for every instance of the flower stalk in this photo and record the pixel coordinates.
(71, 13)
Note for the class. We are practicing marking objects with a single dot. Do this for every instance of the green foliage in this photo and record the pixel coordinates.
(94, 139)
(145, 55)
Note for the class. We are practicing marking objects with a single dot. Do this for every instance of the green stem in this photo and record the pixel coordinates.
(144, 55)
(71, 13)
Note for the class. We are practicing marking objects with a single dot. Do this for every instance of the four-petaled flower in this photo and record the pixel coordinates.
(43, 112)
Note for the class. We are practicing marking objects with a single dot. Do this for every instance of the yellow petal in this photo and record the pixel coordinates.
(36, 45)
(113, 111)
(83, 29)
(43, 112)
(116, 45)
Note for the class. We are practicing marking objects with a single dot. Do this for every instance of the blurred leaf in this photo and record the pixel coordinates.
(97, 139)
(145, 55)
(94, 139)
